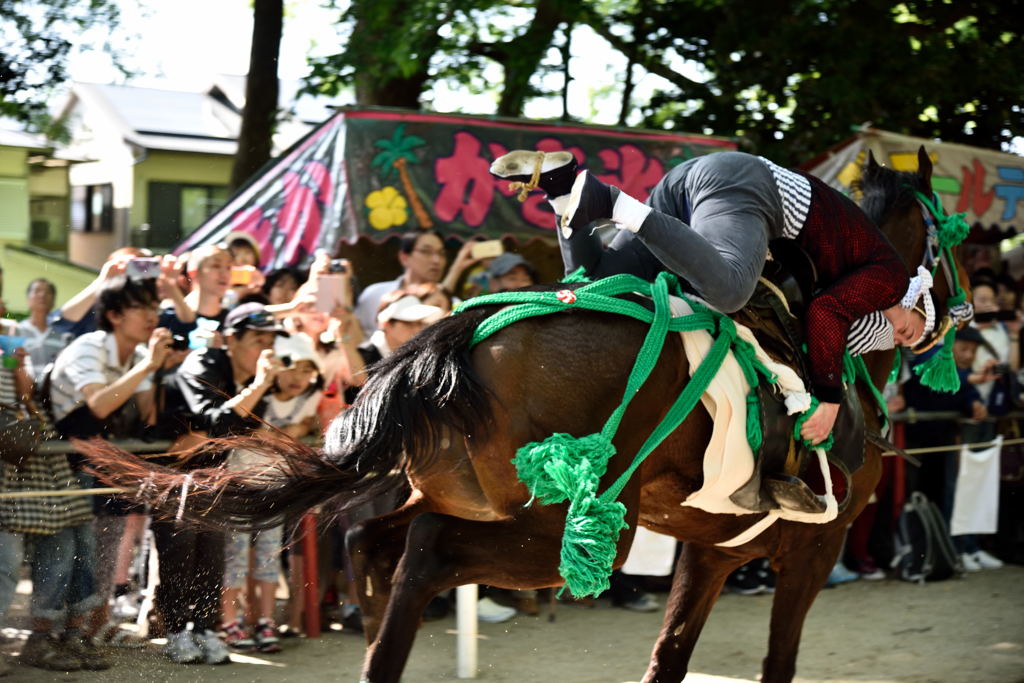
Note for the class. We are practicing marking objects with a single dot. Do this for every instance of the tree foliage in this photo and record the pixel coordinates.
(790, 78)
(37, 38)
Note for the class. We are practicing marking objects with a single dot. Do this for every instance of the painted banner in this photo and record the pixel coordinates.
(987, 185)
(379, 172)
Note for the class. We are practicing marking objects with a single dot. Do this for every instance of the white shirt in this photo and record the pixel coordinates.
(369, 302)
(90, 359)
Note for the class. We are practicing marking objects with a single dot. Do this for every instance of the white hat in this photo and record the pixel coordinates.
(298, 347)
(410, 309)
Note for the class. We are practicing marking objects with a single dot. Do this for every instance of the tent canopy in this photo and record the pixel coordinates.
(377, 172)
(987, 185)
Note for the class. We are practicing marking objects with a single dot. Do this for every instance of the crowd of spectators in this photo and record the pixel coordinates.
(180, 350)
(205, 345)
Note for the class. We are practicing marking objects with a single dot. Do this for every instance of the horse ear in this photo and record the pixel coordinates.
(872, 167)
(924, 167)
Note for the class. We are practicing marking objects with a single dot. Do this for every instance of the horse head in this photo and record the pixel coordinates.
(904, 206)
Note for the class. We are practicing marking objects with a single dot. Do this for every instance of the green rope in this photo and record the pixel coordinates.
(566, 468)
(938, 373)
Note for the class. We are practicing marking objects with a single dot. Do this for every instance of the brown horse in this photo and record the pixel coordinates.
(448, 419)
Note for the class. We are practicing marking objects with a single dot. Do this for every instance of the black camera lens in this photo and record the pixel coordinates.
(286, 361)
(179, 343)
(337, 266)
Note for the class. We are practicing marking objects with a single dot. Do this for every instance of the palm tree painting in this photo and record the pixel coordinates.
(397, 154)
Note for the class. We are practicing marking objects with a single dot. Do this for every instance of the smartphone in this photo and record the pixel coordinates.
(331, 292)
(241, 275)
(143, 268)
(487, 249)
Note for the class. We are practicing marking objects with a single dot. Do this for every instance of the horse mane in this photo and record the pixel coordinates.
(886, 191)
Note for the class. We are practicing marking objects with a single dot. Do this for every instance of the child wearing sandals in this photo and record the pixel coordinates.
(292, 409)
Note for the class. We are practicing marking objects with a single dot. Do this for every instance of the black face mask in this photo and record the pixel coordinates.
(986, 317)
(1006, 316)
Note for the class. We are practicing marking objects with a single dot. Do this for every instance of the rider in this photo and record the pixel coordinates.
(709, 220)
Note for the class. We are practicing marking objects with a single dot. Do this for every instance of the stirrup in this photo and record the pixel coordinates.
(792, 493)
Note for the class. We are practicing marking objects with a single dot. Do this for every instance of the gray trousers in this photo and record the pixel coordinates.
(710, 224)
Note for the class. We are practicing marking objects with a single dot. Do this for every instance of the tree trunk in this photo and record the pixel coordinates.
(255, 139)
(422, 217)
(524, 54)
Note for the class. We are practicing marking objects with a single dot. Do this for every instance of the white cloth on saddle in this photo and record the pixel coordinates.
(728, 459)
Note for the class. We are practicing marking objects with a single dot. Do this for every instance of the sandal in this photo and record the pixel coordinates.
(112, 635)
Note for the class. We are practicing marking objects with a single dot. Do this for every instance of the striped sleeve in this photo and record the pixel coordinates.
(873, 332)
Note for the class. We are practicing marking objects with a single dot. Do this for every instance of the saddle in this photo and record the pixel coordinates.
(774, 314)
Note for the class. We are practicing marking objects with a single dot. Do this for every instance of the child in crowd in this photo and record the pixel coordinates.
(291, 409)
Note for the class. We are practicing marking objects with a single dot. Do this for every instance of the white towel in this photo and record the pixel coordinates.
(976, 502)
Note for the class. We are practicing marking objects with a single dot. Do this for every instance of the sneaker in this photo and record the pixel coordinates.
(870, 572)
(493, 613)
(181, 648)
(237, 637)
(969, 562)
(840, 574)
(43, 651)
(265, 635)
(766, 577)
(125, 607)
(745, 581)
(352, 618)
(213, 649)
(643, 603)
(84, 651)
(986, 561)
(555, 176)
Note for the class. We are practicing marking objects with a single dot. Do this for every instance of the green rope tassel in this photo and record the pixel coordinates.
(543, 466)
(938, 373)
(755, 433)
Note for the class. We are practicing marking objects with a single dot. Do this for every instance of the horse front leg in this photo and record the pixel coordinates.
(442, 552)
(374, 548)
(700, 575)
(802, 569)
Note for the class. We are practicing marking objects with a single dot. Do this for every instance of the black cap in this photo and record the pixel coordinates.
(970, 334)
(252, 316)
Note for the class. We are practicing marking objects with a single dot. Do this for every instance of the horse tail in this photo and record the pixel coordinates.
(424, 391)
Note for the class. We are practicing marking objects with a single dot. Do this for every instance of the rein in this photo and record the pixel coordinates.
(566, 468)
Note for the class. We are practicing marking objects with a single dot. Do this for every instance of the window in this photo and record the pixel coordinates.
(92, 208)
(176, 210)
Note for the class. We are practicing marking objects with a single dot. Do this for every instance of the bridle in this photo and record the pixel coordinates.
(943, 233)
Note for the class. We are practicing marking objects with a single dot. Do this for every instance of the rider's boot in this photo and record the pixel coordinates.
(590, 200)
(792, 493)
(555, 171)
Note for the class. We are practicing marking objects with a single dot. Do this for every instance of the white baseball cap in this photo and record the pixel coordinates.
(298, 347)
(410, 309)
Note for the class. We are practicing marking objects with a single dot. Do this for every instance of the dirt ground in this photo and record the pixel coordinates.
(882, 632)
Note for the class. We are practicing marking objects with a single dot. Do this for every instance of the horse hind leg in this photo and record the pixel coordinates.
(802, 569)
(700, 574)
(442, 552)
(374, 547)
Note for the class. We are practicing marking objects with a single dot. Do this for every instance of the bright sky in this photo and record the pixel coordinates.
(183, 44)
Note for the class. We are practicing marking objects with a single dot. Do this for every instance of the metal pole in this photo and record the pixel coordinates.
(465, 623)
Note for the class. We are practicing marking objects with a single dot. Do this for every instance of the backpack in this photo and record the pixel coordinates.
(924, 548)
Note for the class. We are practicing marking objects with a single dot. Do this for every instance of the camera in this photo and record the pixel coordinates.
(286, 361)
(1001, 369)
(179, 343)
(337, 266)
